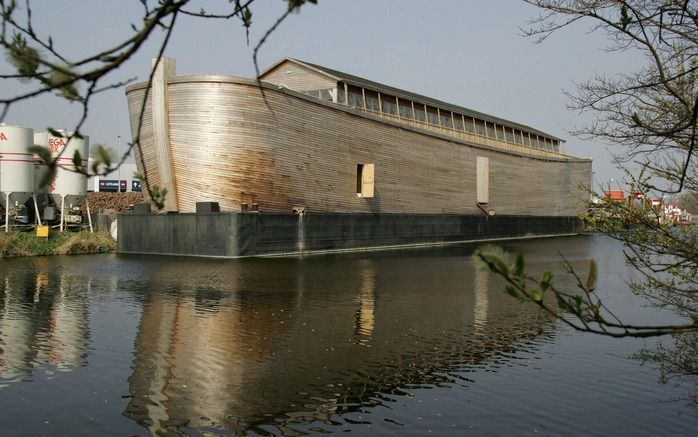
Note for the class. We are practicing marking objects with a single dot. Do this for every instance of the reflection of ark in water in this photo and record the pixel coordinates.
(240, 357)
(43, 320)
(311, 140)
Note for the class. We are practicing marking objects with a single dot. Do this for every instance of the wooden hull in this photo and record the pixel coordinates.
(231, 143)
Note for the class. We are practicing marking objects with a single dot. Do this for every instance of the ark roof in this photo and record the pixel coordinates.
(340, 76)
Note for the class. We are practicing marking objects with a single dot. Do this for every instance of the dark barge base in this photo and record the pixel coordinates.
(250, 234)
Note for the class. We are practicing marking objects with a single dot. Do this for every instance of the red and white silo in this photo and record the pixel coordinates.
(68, 187)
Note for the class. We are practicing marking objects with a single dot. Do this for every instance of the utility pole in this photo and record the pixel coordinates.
(118, 149)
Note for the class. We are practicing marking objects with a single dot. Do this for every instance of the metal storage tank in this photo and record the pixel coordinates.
(40, 193)
(16, 167)
(67, 182)
(40, 139)
(68, 187)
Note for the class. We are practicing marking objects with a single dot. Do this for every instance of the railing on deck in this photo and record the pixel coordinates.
(470, 136)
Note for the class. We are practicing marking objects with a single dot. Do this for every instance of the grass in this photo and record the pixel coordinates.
(13, 244)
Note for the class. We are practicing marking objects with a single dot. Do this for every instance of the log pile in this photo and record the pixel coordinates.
(116, 202)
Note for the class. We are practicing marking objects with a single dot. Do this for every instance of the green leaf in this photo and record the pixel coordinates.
(501, 266)
(247, 17)
(513, 292)
(636, 120)
(537, 295)
(44, 155)
(23, 57)
(494, 258)
(294, 5)
(103, 154)
(77, 161)
(9, 9)
(158, 195)
(48, 175)
(562, 304)
(546, 280)
(42, 152)
(65, 82)
(55, 133)
(519, 264)
(625, 19)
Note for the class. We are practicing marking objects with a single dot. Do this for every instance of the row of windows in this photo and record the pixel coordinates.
(404, 109)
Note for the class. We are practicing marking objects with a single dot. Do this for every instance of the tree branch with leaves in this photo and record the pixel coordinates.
(650, 116)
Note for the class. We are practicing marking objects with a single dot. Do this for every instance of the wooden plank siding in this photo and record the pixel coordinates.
(298, 77)
(149, 153)
(229, 145)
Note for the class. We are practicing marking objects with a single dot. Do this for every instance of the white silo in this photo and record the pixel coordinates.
(40, 139)
(41, 193)
(68, 187)
(16, 168)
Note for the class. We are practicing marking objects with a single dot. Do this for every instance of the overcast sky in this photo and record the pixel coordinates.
(466, 52)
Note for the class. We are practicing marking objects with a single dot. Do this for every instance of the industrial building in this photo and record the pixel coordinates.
(121, 180)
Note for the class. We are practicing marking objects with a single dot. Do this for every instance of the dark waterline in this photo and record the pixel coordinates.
(394, 343)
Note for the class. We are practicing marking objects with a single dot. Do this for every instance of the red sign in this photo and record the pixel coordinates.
(3, 137)
(55, 143)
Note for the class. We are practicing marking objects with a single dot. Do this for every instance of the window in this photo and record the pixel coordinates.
(480, 127)
(458, 119)
(364, 180)
(446, 119)
(372, 101)
(388, 104)
(325, 94)
(406, 109)
(419, 113)
(483, 180)
(356, 97)
(491, 130)
(432, 116)
(340, 94)
(469, 125)
(527, 139)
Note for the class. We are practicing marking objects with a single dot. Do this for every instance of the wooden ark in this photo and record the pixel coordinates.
(308, 138)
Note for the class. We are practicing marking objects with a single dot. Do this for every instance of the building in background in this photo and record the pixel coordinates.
(120, 180)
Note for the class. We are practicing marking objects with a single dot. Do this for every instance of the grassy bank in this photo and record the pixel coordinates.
(67, 243)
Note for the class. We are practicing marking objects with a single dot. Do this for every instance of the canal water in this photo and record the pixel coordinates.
(385, 343)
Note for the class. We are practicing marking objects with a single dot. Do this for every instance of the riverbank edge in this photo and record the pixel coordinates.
(18, 244)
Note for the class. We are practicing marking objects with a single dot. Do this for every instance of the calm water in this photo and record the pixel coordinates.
(392, 343)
